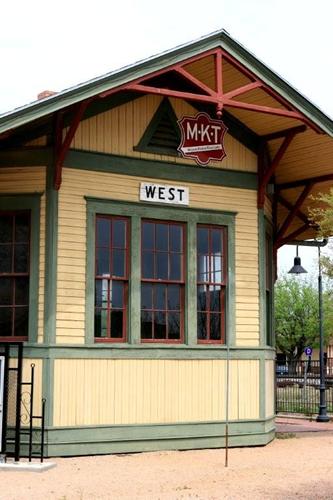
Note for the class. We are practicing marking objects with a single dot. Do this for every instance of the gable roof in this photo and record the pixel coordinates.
(114, 79)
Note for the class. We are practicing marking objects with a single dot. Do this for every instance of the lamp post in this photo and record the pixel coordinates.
(298, 269)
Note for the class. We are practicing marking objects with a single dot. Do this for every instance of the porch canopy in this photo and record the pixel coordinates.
(292, 137)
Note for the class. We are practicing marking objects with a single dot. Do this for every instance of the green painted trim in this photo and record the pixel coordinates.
(164, 109)
(191, 217)
(145, 351)
(102, 162)
(29, 202)
(114, 79)
(47, 387)
(262, 275)
(83, 440)
(51, 252)
(26, 157)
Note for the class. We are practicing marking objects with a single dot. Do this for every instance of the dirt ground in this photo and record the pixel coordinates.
(294, 467)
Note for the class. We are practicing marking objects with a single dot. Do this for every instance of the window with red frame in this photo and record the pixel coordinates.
(211, 283)
(14, 275)
(162, 281)
(111, 278)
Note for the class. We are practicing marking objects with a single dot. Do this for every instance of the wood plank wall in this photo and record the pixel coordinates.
(72, 245)
(118, 130)
(113, 392)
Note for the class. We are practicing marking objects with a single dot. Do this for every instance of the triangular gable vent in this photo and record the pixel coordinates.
(162, 135)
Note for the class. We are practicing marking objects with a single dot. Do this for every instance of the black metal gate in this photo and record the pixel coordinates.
(12, 354)
(297, 387)
(17, 418)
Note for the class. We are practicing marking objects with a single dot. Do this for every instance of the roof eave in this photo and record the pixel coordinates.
(116, 78)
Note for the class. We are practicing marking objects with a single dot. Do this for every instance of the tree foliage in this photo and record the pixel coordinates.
(297, 316)
(323, 218)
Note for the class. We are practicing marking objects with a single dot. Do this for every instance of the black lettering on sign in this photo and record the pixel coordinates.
(150, 191)
(171, 194)
(181, 191)
(161, 193)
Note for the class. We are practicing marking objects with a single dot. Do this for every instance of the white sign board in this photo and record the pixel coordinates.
(161, 193)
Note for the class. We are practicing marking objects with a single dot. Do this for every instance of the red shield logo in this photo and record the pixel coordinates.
(202, 138)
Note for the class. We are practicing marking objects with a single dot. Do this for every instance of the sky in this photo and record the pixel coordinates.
(53, 46)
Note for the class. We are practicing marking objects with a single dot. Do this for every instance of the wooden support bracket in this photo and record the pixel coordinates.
(62, 145)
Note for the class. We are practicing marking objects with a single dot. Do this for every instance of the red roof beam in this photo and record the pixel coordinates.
(62, 147)
(303, 182)
(293, 212)
(291, 236)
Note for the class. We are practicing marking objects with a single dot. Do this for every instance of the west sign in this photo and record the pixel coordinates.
(202, 138)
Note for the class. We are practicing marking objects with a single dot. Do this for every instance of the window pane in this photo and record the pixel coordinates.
(147, 235)
(101, 293)
(118, 263)
(173, 297)
(159, 296)
(202, 240)
(101, 323)
(161, 266)
(5, 321)
(147, 265)
(117, 288)
(6, 229)
(119, 233)
(103, 232)
(176, 243)
(103, 261)
(159, 325)
(5, 258)
(146, 296)
(22, 228)
(216, 269)
(216, 241)
(21, 257)
(203, 268)
(175, 266)
(21, 322)
(201, 298)
(162, 237)
(22, 291)
(215, 326)
(214, 297)
(174, 326)
(117, 324)
(146, 325)
(202, 328)
(6, 291)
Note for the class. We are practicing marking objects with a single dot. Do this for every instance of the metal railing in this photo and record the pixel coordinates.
(297, 387)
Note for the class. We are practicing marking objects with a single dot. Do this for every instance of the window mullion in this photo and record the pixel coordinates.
(134, 308)
(191, 288)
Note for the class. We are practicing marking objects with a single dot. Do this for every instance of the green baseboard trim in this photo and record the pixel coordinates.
(90, 440)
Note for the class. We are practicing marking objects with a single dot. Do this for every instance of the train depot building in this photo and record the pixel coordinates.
(140, 216)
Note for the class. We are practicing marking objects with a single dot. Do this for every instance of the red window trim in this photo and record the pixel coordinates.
(123, 279)
(222, 284)
(14, 275)
(168, 282)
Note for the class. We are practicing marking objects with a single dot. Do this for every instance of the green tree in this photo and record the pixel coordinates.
(296, 317)
(323, 218)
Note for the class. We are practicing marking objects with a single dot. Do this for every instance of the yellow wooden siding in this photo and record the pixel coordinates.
(72, 245)
(26, 377)
(270, 388)
(39, 141)
(112, 392)
(29, 180)
(117, 131)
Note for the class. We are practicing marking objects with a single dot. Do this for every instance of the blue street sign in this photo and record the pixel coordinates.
(308, 351)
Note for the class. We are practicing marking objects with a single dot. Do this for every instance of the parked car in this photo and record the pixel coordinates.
(281, 370)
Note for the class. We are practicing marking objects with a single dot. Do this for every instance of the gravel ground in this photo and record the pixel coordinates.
(297, 467)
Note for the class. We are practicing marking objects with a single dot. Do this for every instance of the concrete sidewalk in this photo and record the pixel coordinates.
(295, 425)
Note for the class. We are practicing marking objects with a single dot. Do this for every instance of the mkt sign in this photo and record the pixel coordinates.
(202, 138)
